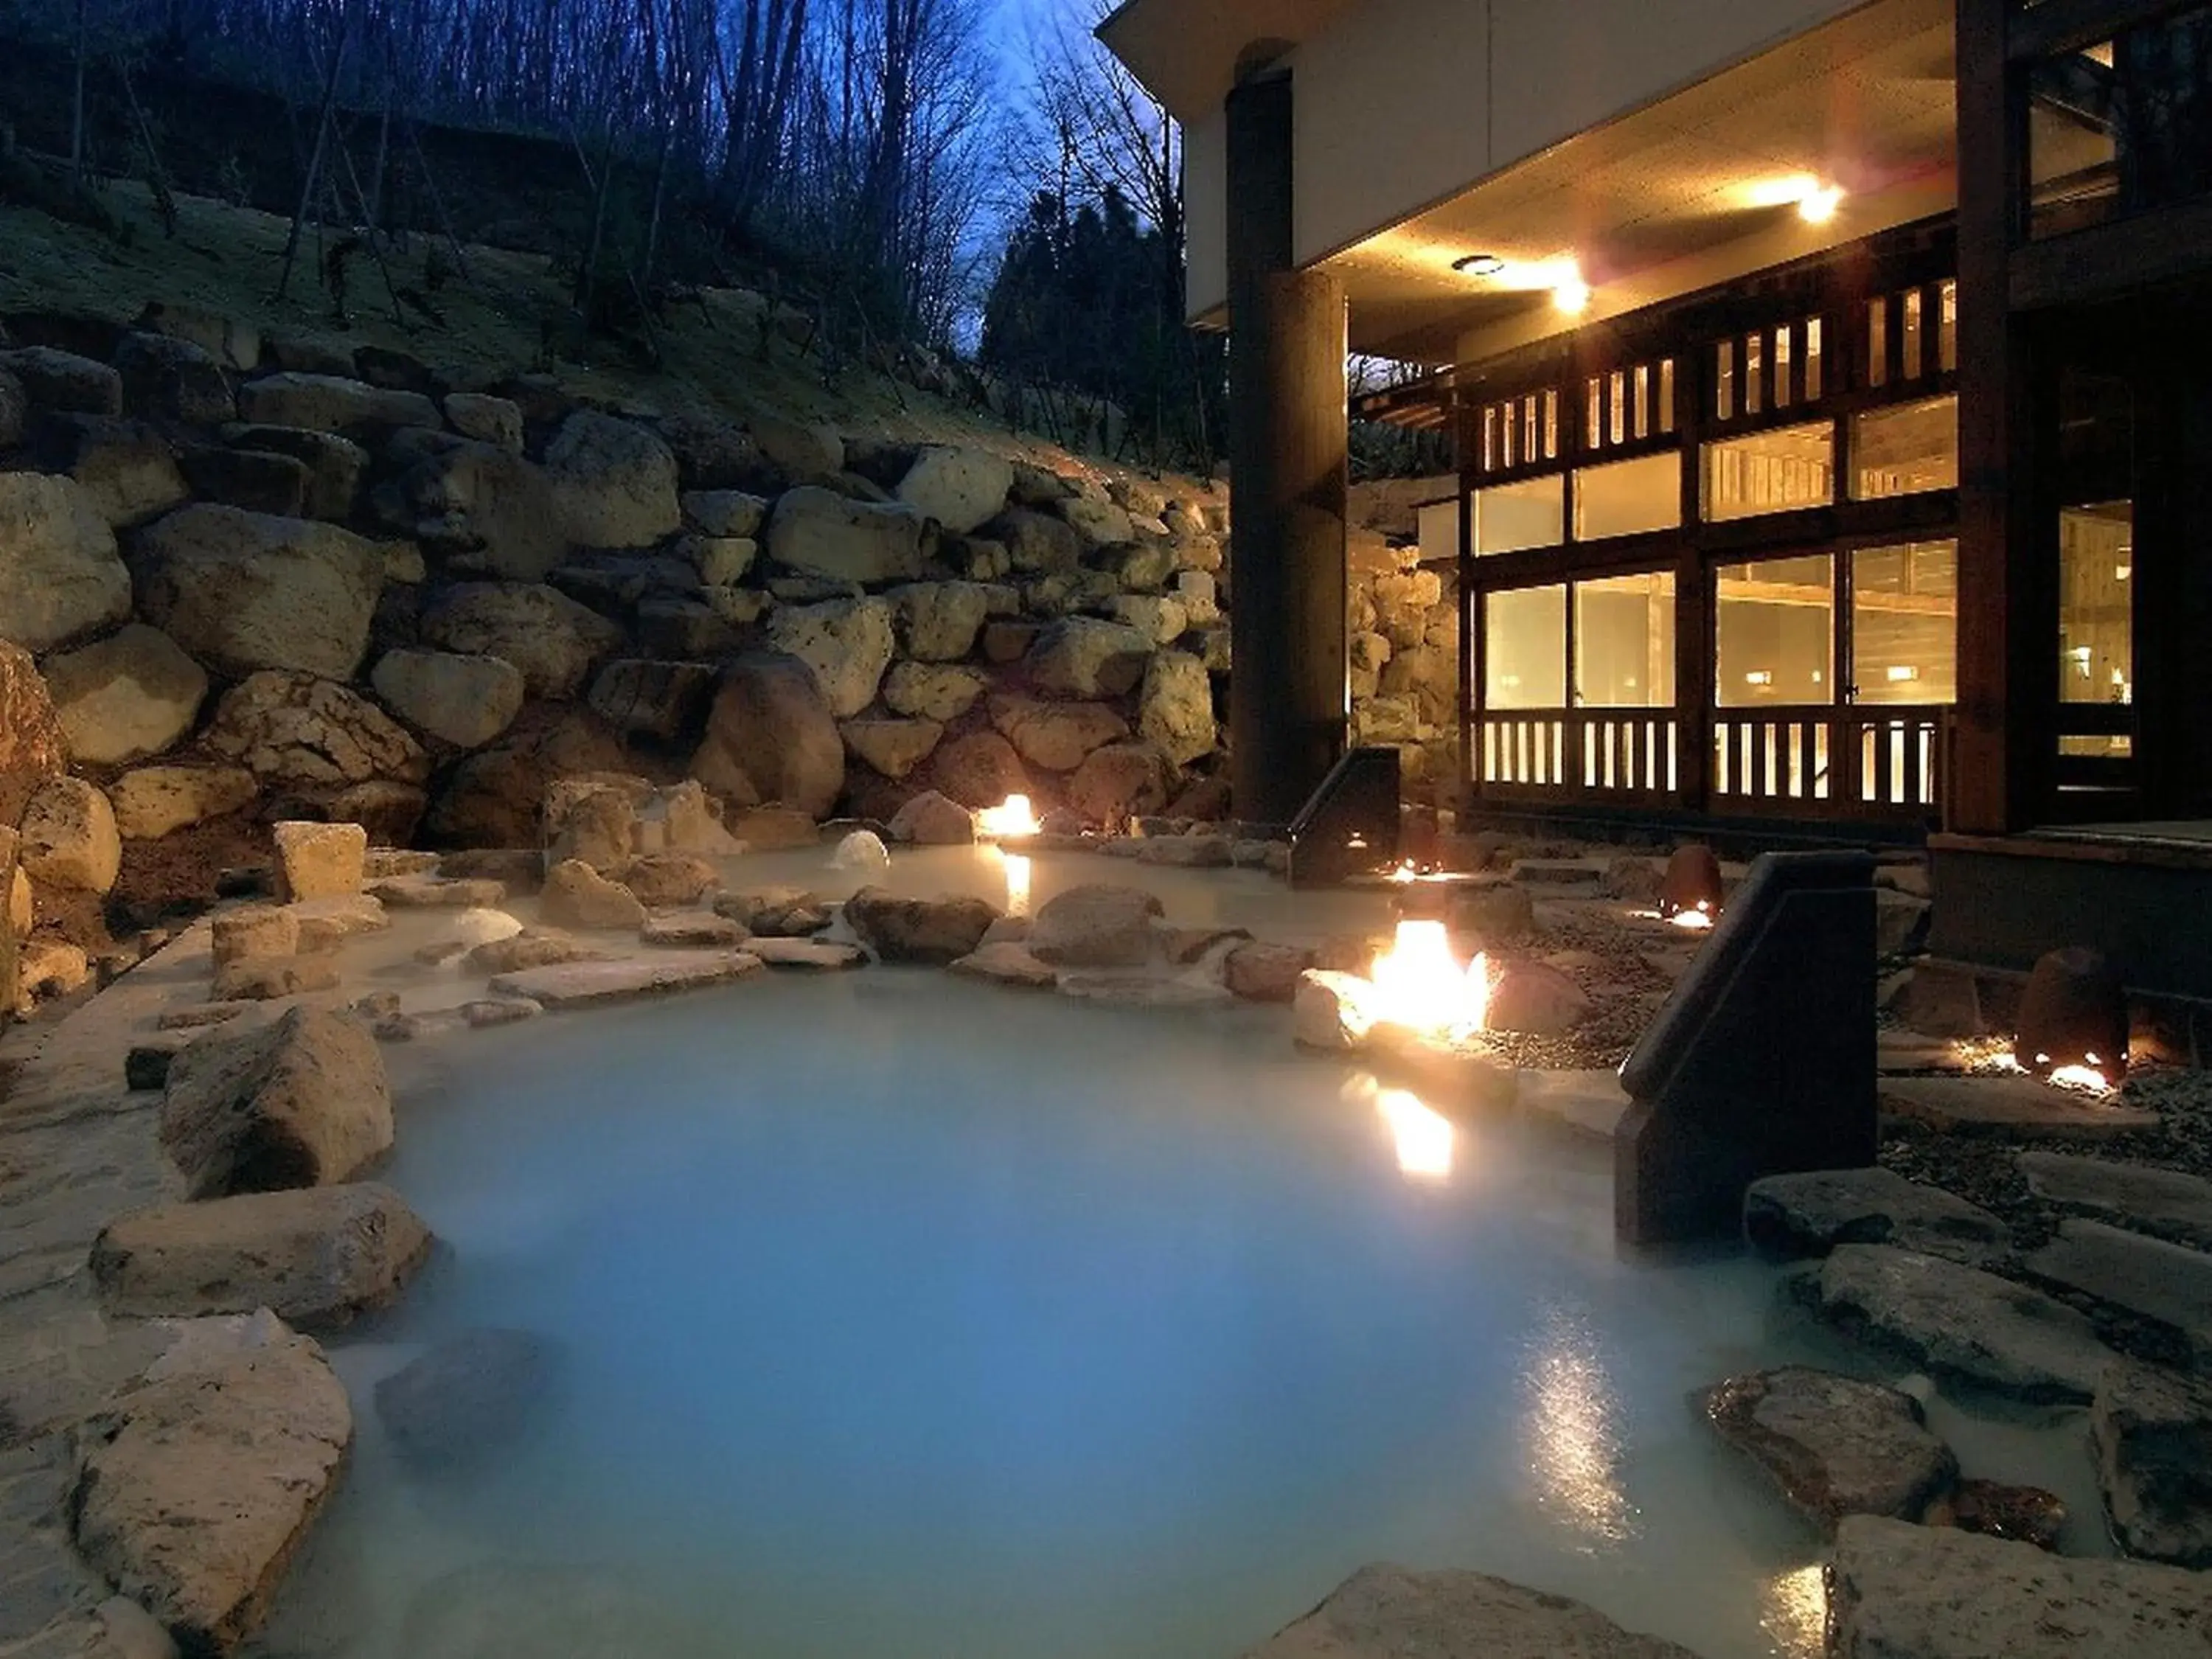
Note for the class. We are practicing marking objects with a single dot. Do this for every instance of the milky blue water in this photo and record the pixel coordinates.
(901, 1317)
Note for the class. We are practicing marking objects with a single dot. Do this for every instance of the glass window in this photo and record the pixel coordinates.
(1725, 380)
(1904, 450)
(1947, 328)
(1510, 518)
(1911, 343)
(1524, 648)
(1904, 623)
(2096, 603)
(1792, 466)
(1812, 359)
(1624, 641)
(1878, 341)
(1775, 631)
(1666, 394)
(1755, 373)
(1625, 497)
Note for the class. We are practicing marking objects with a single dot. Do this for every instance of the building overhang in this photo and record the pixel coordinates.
(1189, 55)
(1685, 192)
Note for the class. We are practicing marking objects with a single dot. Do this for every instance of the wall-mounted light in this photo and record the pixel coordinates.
(1478, 264)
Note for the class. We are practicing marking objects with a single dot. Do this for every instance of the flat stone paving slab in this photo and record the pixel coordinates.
(1810, 1214)
(819, 955)
(1899, 1591)
(1389, 1613)
(2164, 1203)
(2018, 1105)
(588, 984)
(1961, 1323)
(2150, 1278)
(1589, 1102)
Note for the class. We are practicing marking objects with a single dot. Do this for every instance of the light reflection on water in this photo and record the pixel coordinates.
(1573, 1423)
(899, 1316)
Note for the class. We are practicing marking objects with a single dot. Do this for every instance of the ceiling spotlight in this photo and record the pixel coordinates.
(1818, 206)
(1479, 264)
(1572, 295)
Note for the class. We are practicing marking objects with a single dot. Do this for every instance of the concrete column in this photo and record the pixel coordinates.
(1287, 482)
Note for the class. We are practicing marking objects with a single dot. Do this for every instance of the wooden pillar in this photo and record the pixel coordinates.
(1287, 480)
(2004, 748)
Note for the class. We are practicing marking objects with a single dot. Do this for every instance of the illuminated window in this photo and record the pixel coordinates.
(1774, 629)
(1626, 497)
(1643, 400)
(1947, 328)
(1438, 524)
(1511, 518)
(1618, 386)
(1911, 342)
(1624, 641)
(1725, 380)
(1906, 450)
(1776, 471)
(1905, 623)
(1550, 426)
(1781, 368)
(1666, 394)
(1878, 341)
(1812, 359)
(1524, 648)
(1755, 373)
(2096, 604)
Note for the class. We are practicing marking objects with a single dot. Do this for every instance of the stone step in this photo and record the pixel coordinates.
(1810, 1214)
(1959, 1323)
(2018, 1105)
(2164, 1203)
(2148, 1277)
(586, 984)
(1935, 1593)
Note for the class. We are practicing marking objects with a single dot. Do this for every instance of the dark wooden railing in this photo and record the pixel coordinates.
(1881, 764)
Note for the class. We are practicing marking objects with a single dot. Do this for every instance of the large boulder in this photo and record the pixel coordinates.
(614, 482)
(893, 748)
(128, 470)
(1084, 657)
(483, 503)
(300, 730)
(32, 748)
(330, 403)
(960, 489)
(1389, 1613)
(1096, 925)
(771, 738)
(1056, 736)
(930, 819)
(846, 642)
(494, 798)
(154, 801)
(651, 698)
(820, 534)
(195, 1492)
(978, 769)
(60, 576)
(1836, 1446)
(317, 1255)
(804, 449)
(933, 691)
(936, 931)
(2152, 1431)
(555, 641)
(938, 621)
(126, 697)
(301, 1101)
(577, 896)
(173, 379)
(319, 861)
(68, 837)
(1036, 542)
(1175, 712)
(465, 700)
(246, 590)
(1899, 1591)
(64, 382)
(334, 464)
(1118, 782)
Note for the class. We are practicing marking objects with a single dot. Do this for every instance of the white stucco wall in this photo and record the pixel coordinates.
(1400, 104)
